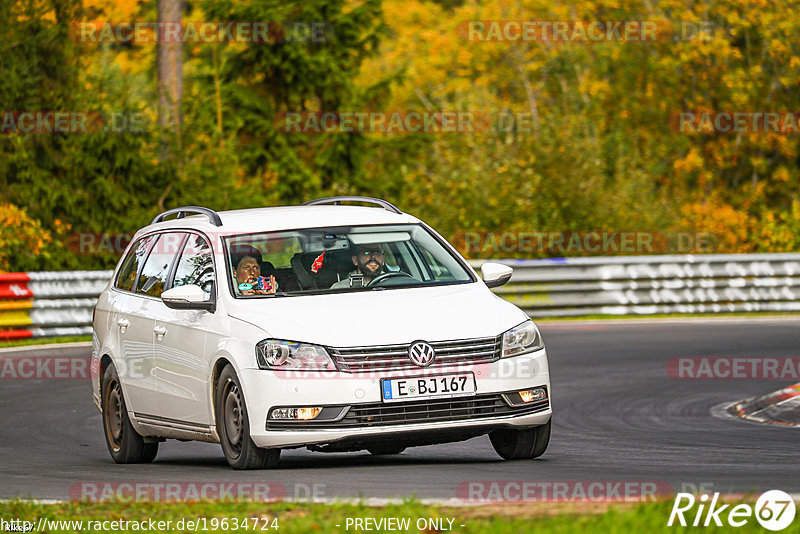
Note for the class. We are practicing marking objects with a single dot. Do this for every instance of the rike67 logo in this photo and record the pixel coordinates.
(774, 510)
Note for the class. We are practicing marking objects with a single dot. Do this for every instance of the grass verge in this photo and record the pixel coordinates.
(611, 518)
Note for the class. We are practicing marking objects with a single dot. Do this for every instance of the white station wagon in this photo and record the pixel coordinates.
(326, 326)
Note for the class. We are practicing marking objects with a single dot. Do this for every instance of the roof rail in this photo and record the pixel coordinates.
(213, 218)
(338, 200)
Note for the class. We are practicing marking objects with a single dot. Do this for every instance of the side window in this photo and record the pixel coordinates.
(440, 272)
(404, 256)
(196, 265)
(127, 273)
(156, 268)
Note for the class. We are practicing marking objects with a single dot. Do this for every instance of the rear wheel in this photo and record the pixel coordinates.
(124, 443)
(233, 427)
(521, 444)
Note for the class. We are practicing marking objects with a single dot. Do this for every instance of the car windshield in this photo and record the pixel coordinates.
(339, 259)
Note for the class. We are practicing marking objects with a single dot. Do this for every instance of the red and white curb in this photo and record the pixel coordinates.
(780, 407)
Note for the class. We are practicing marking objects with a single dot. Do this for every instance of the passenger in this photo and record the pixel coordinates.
(369, 261)
(247, 271)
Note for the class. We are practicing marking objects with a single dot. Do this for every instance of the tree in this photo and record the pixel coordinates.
(170, 75)
(311, 64)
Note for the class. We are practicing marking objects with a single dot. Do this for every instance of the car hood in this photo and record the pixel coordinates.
(391, 316)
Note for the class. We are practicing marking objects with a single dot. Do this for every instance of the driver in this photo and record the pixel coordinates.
(369, 262)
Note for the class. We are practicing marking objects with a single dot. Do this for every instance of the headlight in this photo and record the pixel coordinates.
(521, 339)
(279, 355)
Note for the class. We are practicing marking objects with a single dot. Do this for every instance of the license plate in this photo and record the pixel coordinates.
(432, 387)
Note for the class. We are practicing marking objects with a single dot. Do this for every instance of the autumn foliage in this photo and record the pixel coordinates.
(22, 239)
(582, 133)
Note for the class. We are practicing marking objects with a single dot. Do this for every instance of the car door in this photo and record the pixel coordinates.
(128, 313)
(150, 283)
(181, 364)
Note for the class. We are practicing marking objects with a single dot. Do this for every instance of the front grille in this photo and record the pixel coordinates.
(378, 414)
(395, 357)
(429, 411)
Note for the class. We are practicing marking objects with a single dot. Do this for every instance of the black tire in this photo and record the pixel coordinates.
(521, 444)
(124, 443)
(234, 428)
(385, 449)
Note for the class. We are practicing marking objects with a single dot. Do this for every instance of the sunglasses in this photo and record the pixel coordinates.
(371, 252)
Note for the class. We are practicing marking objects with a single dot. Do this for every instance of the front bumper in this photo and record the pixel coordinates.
(366, 419)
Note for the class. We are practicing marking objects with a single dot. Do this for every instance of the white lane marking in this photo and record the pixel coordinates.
(791, 401)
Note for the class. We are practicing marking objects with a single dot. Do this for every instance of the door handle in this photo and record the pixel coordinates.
(123, 325)
(160, 331)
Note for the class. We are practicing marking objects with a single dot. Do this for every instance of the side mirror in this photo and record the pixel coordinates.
(188, 297)
(496, 274)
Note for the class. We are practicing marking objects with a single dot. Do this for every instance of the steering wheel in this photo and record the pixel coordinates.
(385, 276)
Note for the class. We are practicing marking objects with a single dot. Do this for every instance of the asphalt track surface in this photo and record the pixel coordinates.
(618, 417)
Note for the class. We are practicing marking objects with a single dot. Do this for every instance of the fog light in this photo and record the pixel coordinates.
(308, 413)
(530, 395)
(301, 414)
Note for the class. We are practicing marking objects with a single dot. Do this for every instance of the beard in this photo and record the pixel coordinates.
(370, 269)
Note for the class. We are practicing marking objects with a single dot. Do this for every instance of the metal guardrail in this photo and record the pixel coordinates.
(42, 304)
(48, 304)
(647, 285)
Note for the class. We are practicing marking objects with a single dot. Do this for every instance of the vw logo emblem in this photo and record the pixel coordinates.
(421, 353)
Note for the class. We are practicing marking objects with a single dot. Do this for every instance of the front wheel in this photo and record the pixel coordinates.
(521, 444)
(233, 427)
(124, 443)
